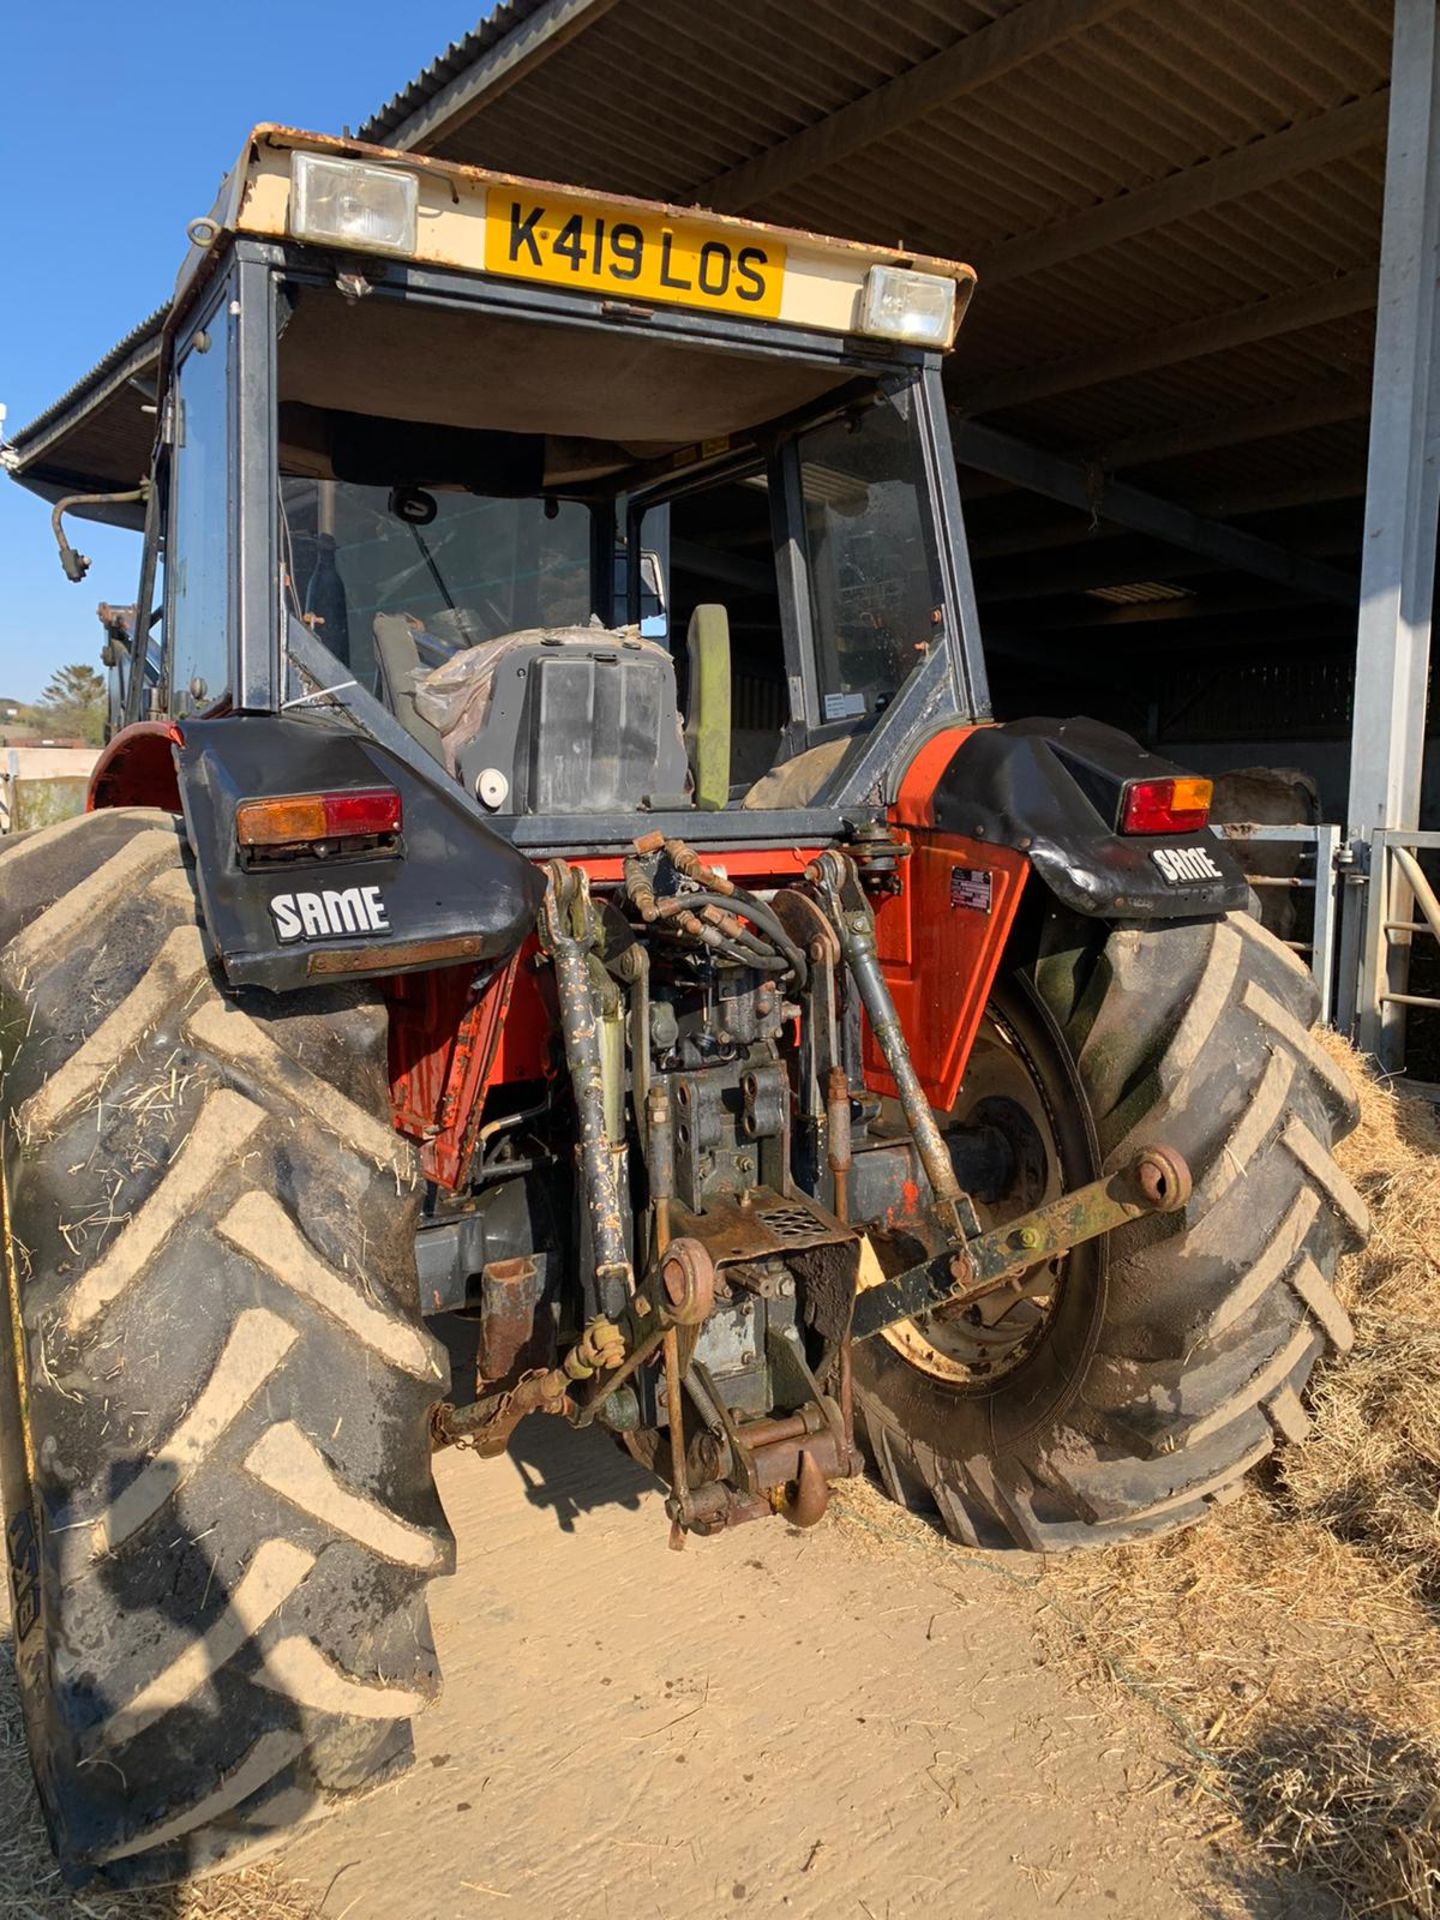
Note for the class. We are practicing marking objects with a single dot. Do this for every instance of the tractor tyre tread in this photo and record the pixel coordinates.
(214, 1381)
(1195, 1035)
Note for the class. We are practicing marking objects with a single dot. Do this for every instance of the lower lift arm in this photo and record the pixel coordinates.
(975, 1263)
(1156, 1181)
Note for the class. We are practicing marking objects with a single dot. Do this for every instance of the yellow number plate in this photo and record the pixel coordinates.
(640, 256)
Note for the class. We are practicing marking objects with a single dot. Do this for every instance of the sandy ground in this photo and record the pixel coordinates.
(859, 1721)
(768, 1724)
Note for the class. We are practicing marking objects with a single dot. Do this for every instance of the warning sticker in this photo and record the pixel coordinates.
(971, 887)
(844, 706)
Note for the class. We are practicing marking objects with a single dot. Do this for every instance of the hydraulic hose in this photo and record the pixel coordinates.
(763, 916)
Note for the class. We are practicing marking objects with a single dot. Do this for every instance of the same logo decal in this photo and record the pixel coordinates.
(333, 914)
(1182, 866)
(344, 912)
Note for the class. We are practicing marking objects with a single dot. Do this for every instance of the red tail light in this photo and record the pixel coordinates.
(360, 813)
(1165, 806)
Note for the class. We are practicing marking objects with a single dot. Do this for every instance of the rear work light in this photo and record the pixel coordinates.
(297, 819)
(917, 308)
(1165, 806)
(346, 203)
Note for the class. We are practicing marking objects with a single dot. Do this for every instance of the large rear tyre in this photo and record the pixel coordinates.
(1129, 1388)
(214, 1382)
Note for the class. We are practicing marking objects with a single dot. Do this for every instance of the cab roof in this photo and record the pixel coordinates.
(99, 436)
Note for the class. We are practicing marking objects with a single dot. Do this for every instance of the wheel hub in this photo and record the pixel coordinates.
(1005, 1095)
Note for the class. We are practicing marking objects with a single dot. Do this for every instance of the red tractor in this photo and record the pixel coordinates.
(558, 930)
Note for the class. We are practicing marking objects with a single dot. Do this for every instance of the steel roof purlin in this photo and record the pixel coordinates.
(1145, 184)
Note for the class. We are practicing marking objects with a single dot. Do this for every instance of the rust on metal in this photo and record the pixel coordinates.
(487, 1424)
(1164, 1179)
(514, 1336)
(806, 1506)
(854, 922)
(687, 1276)
(839, 1152)
(1157, 1180)
(689, 863)
(567, 935)
(761, 1225)
(679, 1501)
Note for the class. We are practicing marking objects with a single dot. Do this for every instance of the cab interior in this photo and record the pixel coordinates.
(522, 534)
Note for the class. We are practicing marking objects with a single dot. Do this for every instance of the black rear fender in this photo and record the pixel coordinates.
(1051, 789)
(444, 890)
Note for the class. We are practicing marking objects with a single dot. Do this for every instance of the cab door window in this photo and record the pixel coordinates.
(869, 559)
(198, 549)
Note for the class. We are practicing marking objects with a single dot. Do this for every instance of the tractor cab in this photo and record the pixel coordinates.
(607, 509)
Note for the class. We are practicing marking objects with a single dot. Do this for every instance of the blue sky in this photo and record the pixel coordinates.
(116, 125)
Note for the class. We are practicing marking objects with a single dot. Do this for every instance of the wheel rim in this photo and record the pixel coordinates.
(1014, 1090)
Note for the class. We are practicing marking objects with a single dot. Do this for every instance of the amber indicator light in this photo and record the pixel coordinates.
(361, 813)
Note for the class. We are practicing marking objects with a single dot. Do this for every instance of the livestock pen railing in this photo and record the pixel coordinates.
(1401, 903)
(1316, 879)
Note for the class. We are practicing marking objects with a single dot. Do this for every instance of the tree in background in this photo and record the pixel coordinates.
(74, 704)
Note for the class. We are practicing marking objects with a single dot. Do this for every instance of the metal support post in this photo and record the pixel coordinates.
(1398, 574)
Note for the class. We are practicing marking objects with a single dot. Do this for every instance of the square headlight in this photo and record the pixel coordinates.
(345, 203)
(917, 308)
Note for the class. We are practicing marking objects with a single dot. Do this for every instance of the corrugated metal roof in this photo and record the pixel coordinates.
(445, 67)
(1174, 205)
(1140, 167)
(132, 347)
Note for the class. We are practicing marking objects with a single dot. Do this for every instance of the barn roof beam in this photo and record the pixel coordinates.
(1074, 483)
(523, 49)
(1079, 530)
(1269, 319)
(1256, 599)
(1311, 490)
(1118, 562)
(1264, 162)
(1327, 407)
(979, 58)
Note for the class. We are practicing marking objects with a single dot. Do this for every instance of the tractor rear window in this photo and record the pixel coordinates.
(458, 569)
(872, 587)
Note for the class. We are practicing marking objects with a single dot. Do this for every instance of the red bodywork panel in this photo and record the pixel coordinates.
(940, 941)
(941, 938)
(449, 1045)
(939, 950)
(137, 769)
(443, 1041)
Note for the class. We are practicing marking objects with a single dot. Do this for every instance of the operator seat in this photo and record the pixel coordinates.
(399, 661)
(795, 782)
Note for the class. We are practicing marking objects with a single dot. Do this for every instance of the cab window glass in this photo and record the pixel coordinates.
(722, 549)
(198, 549)
(872, 588)
(460, 569)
